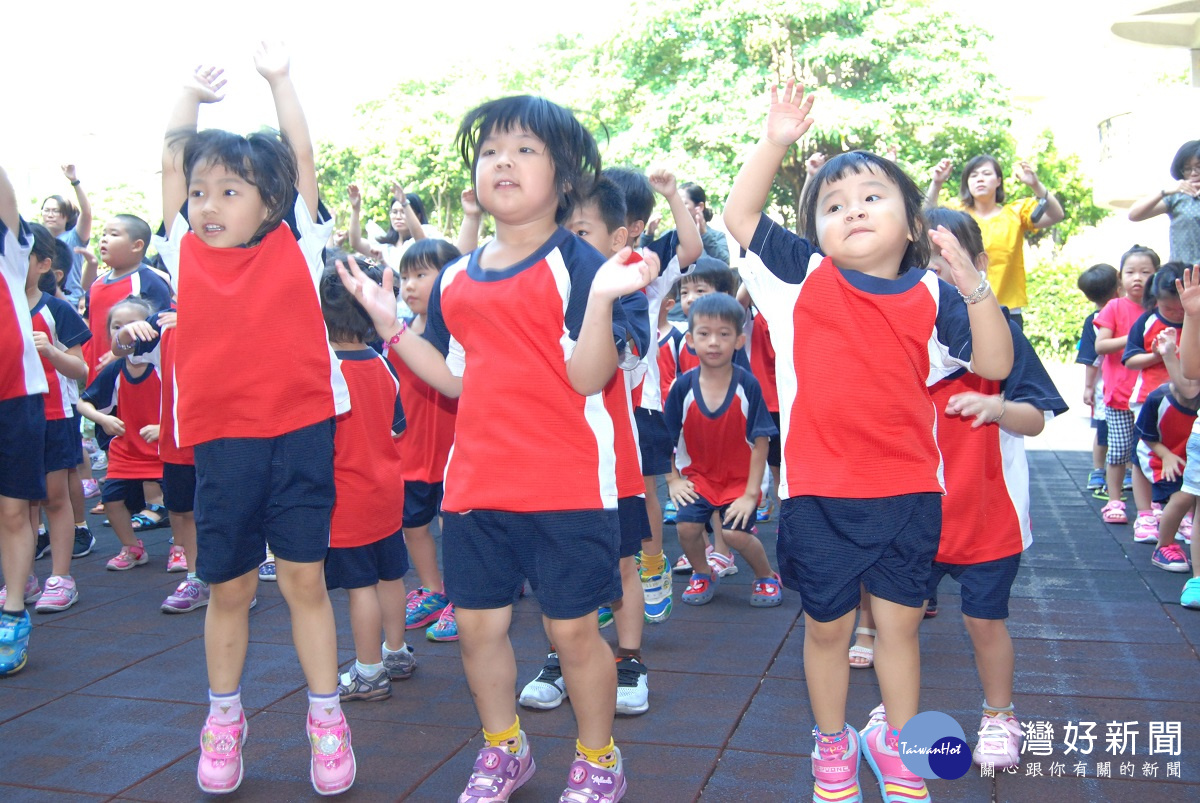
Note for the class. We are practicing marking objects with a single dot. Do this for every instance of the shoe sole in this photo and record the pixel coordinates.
(440, 639)
(1177, 568)
(541, 705)
(766, 603)
(312, 776)
(56, 608)
(85, 552)
(112, 568)
(633, 711)
(426, 622)
(168, 609)
(241, 769)
(1148, 539)
(14, 670)
(697, 599)
(657, 618)
(367, 697)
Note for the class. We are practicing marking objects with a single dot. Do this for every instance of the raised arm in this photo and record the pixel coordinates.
(355, 232)
(8, 203)
(937, 179)
(787, 120)
(410, 216)
(83, 226)
(468, 233)
(1054, 212)
(273, 63)
(1168, 349)
(1156, 204)
(992, 346)
(690, 245)
(204, 86)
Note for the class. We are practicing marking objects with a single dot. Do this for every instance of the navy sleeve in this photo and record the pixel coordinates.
(759, 423)
(102, 393)
(1028, 381)
(1136, 344)
(740, 357)
(953, 324)
(636, 328)
(582, 261)
(399, 424)
(71, 329)
(155, 290)
(785, 253)
(673, 409)
(1087, 342)
(1147, 420)
(665, 247)
(141, 348)
(435, 325)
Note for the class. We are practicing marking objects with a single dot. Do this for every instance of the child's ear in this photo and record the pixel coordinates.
(668, 302)
(687, 336)
(140, 245)
(741, 342)
(620, 238)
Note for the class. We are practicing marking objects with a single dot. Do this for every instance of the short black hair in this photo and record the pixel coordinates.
(1186, 152)
(67, 209)
(697, 195)
(609, 200)
(345, 319)
(960, 224)
(130, 301)
(1099, 283)
(639, 195)
(433, 252)
(1144, 251)
(392, 237)
(136, 228)
(572, 148)
(720, 306)
(916, 255)
(712, 271)
(264, 159)
(63, 262)
(43, 245)
(964, 190)
(1162, 283)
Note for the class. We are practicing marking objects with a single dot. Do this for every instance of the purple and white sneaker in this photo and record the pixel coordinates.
(187, 596)
(498, 773)
(590, 783)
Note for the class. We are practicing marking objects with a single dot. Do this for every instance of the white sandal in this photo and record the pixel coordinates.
(862, 653)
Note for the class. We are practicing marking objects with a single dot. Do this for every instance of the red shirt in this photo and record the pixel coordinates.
(136, 401)
(21, 371)
(669, 346)
(59, 321)
(105, 293)
(1163, 420)
(425, 443)
(1142, 335)
(762, 361)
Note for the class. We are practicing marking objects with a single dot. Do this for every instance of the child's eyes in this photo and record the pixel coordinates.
(835, 208)
(527, 149)
(872, 197)
(489, 152)
(230, 192)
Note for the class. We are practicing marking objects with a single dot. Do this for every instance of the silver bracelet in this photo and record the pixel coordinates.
(978, 293)
(1003, 405)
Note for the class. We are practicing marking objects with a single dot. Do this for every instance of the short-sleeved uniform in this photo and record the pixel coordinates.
(1163, 420)
(59, 321)
(366, 542)
(135, 400)
(1118, 317)
(985, 512)
(762, 365)
(713, 447)
(1142, 335)
(618, 400)
(894, 337)
(531, 489)
(22, 380)
(1087, 356)
(105, 293)
(258, 399)
(650, 394)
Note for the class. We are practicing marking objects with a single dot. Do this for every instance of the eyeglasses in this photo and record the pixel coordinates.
(1191, 169)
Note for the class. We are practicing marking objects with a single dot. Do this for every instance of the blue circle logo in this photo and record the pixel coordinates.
(933, 745)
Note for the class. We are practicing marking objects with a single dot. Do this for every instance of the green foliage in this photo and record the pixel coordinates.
(1056, 309)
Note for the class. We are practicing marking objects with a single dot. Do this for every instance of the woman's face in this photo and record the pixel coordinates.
(398, 221)
(983, 181)
(53, 218)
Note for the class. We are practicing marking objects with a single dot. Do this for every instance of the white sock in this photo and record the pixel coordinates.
(389, 651)
(368, 671)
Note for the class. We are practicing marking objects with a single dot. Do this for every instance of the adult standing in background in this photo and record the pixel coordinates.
(71, 223)
(1180, 202)
(696, 201)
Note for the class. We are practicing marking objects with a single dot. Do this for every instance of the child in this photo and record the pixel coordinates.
(762, 364)
(1099, 284)
(424, 447)
(721, 428)
(250, 250)
(132, 391)
(1163, 312)
(676, 251)
(870, 297)
(1112, 323)
(22, 425)
(526, 324)
(366, 544)
(58, 334)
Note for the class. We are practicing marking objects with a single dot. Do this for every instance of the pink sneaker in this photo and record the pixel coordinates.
(999, 742)
(835, 769)
(60, 593)
(498, 773)
(1145, 528)
(91, 489)
(128, 557)
(897, 782)
(33, 590)
(590, 783)
(220, 769)
(177, 560)
(333, 769)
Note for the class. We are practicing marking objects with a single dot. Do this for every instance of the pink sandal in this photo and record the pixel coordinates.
(1114, 512)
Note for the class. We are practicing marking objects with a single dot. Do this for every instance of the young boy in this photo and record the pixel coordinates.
(720, 427)
(1099, 283)
(676, 251)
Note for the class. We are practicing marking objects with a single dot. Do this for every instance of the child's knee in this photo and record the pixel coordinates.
(573, 634)
(985, 629)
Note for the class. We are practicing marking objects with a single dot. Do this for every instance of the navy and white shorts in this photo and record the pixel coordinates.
(64, 446)
(422, 502)
(701, 511)
(23, 448)
(569, 558)
(251, 492)
(635, 524)
(985, 586)
(179, 487)
(654, 442)
(365, 566)
(827, 547)
(130, 492)
(1120, 436)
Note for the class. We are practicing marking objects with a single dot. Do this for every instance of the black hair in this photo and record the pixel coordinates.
(264, 159)
(917, 252)
(432, 252)
(67, 209)
(136, 228)
(62, 263)
(609, 200)
(964, 189)
(961, 225)
(723, 307)
(639, 195)
(43, 246)
(1143, 250)
(713, 272)
(392, 237)
(572, 148)
(1099, 283)
(345, 319)
(130, 301)
(696, 195)
(1162, 283)
(1187, 151)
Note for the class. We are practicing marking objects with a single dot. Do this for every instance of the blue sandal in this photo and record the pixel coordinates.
(142, 522)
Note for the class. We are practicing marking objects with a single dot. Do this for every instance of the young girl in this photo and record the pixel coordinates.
(124, 400)
(424, 448)
(897, 329)
(367, 554)
(1163, 312)
(246, 261)
(1113, 323)
(523, 329)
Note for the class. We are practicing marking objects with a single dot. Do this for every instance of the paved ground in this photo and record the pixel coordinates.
(111, 703)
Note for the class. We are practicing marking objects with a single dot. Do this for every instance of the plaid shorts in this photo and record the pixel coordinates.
(1120, 435)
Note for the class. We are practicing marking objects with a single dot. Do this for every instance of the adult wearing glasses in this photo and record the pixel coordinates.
(1180, 202)
(71, 223)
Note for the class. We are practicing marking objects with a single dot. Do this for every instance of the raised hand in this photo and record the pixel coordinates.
(398, 192)
(962, 269)
(470, 204)
(663, 182)
(941, 172)
(167, 320)
(701, 223)
(272, 61)
(355, 196)
(87, 255)
(1186, 187)
(788, 117)
(1165, 342)
(378, 301)
(1027, 174)
(138, 330)
(814, 163)
(69, 172)
(1189, 291)
(206, 83)
(617, 277)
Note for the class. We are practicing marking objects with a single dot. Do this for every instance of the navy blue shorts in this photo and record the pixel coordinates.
(179, 487)
(23, 448)
(828, 546)
(654, 442)
(568, 556)
(635, 524)
(985, 586)
(131, 492)
(422, 502)
(251, 492)
(775, 445)
(364, 566)
(1101, 426)
(700, 512)
(1163, 490)
(64, 445)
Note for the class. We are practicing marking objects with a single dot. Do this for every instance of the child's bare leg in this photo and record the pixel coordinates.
(691, 538)
(1173, 512)
(1141, 488)
(153, 492)
(422, 552)
(993, 658)
(751, 550)
(590, 676)
(1098, 452)
(121, 521)
(313, 629)
(719, 543)
(490, 665)
(391, 605)
(826, 672)
(1114, 475)
(366, 620)
(629, 612)
(654, 511)
(898, 658)
(75, 487)
(62, 526)
(183, 527)
(35, 516)
(16, 549)
(227, 631)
